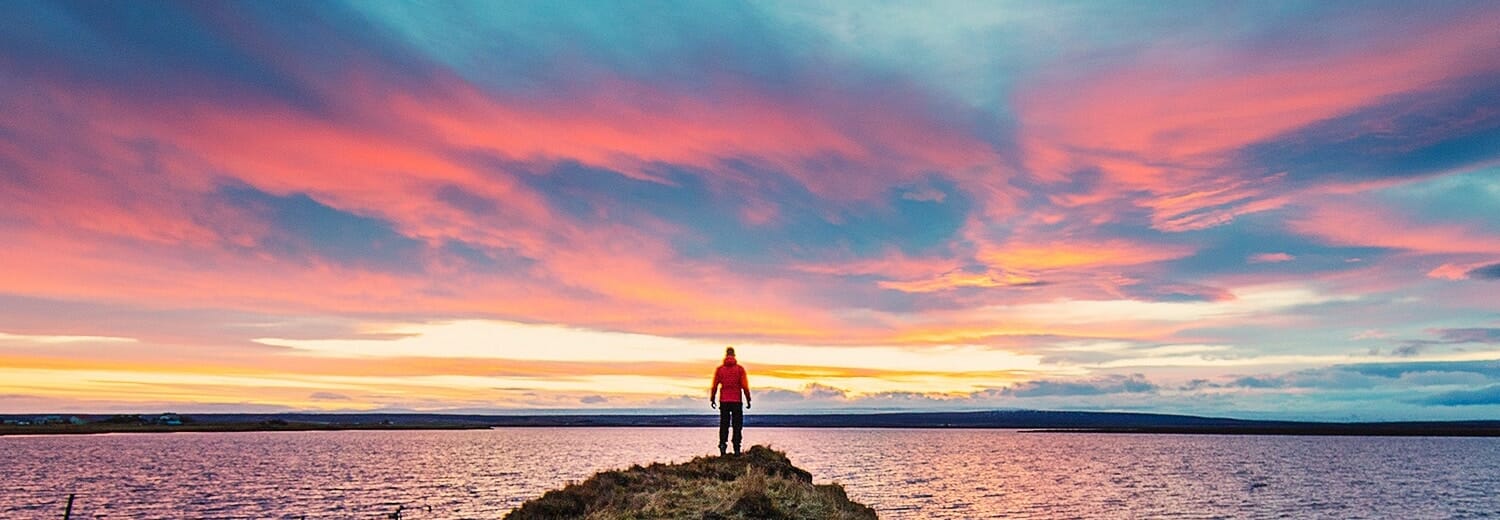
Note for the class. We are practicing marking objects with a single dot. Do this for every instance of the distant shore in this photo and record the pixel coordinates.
(1024, 420)
(1336, 430)
(90, 429)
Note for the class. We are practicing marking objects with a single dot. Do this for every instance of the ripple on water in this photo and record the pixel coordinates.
(938, 474)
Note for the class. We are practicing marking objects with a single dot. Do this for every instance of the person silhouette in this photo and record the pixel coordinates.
(730, 382)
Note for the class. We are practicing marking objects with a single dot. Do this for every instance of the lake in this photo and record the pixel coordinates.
(901, 473)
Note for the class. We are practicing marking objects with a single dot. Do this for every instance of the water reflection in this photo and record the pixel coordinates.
(901, 473)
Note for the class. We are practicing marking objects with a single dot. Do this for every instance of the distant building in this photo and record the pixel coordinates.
(169, 419)
(58, 419)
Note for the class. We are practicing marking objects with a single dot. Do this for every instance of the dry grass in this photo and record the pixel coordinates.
(762, 483)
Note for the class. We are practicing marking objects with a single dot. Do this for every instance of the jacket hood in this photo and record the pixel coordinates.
(729, 361)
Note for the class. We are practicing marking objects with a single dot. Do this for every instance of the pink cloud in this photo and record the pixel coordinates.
(891, 265)
(630, 127)
(1352, 223)
(1162, 128)
(1371, 334)
(103, 221)
(1270, 258)
(385, 154)
(1455, 271)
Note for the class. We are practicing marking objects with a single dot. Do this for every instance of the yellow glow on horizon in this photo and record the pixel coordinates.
(496, 363)
(483, 364)
(508, 340)
(858, 370)
(53, 339)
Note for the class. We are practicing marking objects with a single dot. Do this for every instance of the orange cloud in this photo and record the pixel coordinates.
(1075, 254)
(892, 264)
(955, 279)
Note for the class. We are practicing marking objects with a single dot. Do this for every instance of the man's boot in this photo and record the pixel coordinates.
(721, 450)
(736, 449)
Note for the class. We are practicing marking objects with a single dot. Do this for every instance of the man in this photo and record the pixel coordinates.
(730, 376)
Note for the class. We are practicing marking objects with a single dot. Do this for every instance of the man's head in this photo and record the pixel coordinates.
(729, 352)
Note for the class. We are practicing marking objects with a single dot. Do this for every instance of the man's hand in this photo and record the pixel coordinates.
(712, 404)
(747, 405)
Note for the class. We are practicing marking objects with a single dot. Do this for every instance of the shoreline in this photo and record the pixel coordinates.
(1019, 420)
(1308, 431)
(90, 429)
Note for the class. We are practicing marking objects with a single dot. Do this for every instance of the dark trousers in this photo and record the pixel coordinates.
(731, 414)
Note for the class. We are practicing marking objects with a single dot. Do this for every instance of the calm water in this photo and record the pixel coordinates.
(901, 473)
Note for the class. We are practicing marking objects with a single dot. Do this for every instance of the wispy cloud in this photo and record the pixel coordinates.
(1271, 258)
(464, 206)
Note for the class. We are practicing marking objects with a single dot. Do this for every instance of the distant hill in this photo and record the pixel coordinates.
(1111, 422)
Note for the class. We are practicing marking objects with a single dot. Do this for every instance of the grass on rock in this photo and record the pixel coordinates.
(760, 484)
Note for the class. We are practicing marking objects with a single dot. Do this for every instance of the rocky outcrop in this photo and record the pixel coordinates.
(762, 484)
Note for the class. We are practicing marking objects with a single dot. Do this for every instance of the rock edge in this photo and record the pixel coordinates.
(760, 484)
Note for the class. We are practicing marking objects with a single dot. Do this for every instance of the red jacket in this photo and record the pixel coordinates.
(733, 380)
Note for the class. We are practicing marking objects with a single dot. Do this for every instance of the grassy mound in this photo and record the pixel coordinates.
(762, 483)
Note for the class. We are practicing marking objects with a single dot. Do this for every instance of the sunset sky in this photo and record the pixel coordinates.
(1257, 209)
